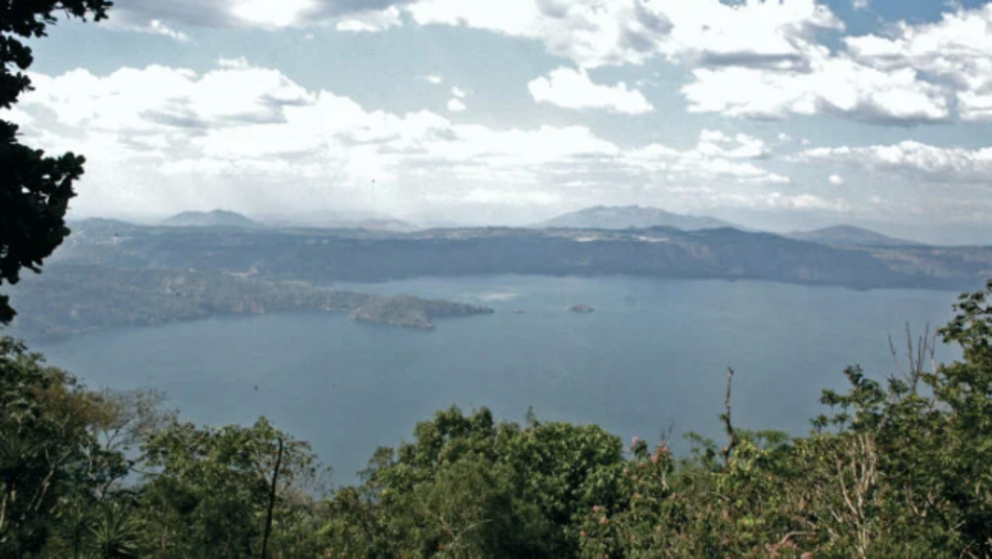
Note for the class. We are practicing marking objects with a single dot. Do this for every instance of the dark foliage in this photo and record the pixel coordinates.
(35, 190)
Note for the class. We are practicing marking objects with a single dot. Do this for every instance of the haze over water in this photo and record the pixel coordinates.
(653, 356)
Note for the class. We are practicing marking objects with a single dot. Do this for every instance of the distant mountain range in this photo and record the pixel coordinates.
(374, 224)
(216, 218)
(606, 218)
(620, 218)
(632, 217)
(848, 235)
(320, 256)
(368, 221)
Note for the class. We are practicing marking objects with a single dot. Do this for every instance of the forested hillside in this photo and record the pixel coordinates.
(74, 299)
(322, 255)
(894, 468)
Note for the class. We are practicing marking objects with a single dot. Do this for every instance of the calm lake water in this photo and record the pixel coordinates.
(652, 357)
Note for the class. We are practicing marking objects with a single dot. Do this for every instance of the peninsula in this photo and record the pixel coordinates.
(73, 299)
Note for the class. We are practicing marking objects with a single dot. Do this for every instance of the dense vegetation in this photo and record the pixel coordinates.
(72, 299)
(896, 469)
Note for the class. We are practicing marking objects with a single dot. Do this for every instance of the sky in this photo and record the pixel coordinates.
(782, 115)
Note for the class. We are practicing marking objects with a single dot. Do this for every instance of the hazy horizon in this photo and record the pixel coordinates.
(960, 235)
(774, 115)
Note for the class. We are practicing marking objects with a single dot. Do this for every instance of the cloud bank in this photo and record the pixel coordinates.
(176, 139)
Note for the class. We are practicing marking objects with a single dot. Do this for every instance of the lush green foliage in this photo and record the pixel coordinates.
(469, 487)
(66, 452)
(206, 490)
(34, 190)
(896, 468)
(49, 448)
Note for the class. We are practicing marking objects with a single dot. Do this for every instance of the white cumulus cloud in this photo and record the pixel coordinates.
(370, 22)
(911, 74)
(922, 162)
(739, 146)
(595, 33)
(955, 50)
(161, 139)
(573, 89)
(756, 59)
(348, 15)
(833, 85)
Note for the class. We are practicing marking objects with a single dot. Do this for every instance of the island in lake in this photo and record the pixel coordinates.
(582, 309)
(412, 312)
(73, 299)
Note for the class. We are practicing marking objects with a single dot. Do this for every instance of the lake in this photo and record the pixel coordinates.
(652, 357)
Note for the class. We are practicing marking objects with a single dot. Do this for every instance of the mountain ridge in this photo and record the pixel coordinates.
(329, 255)
(850, 235)
(631, 217)
(215, 218)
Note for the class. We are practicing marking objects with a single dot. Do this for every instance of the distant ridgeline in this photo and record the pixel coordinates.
(216, 218)
(632, 217)
(845, 235)
(320, 256)
(70, 299)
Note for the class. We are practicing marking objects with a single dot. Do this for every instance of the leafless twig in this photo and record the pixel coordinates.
(728, 426)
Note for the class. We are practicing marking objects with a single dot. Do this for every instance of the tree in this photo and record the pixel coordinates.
(35, 190)
(469, 486)
(50, 455)
(207, 491)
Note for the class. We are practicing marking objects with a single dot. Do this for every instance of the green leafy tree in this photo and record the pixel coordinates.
(207, 490)
(50, 455)
(34, 189)
(898, 468)
(564, 469)
(468, 486)
(114, 533)
(65, 452)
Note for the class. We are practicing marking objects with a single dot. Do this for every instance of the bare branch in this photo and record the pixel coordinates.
(272, 502)
(725, 418)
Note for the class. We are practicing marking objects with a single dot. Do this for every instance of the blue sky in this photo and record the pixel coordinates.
(782, 115)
